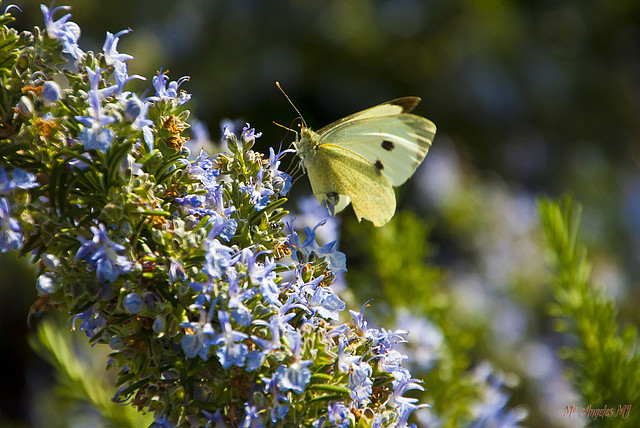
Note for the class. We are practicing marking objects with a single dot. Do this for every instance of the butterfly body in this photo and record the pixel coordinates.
(360, 158)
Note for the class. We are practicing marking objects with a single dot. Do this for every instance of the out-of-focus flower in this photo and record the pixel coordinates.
(10, 232)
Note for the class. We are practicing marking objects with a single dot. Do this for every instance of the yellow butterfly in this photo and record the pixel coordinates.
(360, 158)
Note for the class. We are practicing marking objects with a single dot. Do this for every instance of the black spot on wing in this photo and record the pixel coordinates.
(379, 166)
(388, 145)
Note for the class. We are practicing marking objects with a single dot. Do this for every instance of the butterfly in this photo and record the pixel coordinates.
(360, 158)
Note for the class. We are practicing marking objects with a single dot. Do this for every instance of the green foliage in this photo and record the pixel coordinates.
(77, 379)
(399, 260)
(605, 364)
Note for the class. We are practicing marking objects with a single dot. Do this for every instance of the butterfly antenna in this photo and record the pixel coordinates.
(284, 127)
(292, 104)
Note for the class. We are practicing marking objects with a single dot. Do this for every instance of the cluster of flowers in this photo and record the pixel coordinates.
(217, 311)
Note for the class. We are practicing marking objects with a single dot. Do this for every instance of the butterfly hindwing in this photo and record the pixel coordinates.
(396, 144)
(339, 176)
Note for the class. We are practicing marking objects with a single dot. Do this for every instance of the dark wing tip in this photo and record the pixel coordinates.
(407, 103)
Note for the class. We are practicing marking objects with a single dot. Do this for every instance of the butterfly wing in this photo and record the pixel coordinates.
(392, 140)
(390, 108)
(339, 176)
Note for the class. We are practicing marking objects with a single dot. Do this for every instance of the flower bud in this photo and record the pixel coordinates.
(133, 303)
(50, 262)
(51, 92)
(45, 285)
(25, 107)
(132, 109)
(159, 324)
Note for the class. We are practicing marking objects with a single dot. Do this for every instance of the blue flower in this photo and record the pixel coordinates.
(191, 202)
(281, 180)
(263, 275)
(385, 339)
(255, 359)
(252, 417)
(135, 110)
(230, 353)
(325, 302)
(161, 422)
(5, 182)
(295, 377)
(406, 405)
(249, 134)
(159, 324)
(170, 93)
(111, 54)
(214, 419)
(95, 136)
(91, 323)
(20, 179)
(274, 325)
(23, 179)
(240, 313)
(204, 169)
(10, 232)
(121, 74)
(258, 194)
(391, 362)
(199, 337)
(221, 224)
(217, 259)
(358, 318)
(337, 260)
(278, 409)
(94, 84)
(360, 382)
(345, 361)
(67, 32)
(176, 271)
(491, 410)
(104, 255)
(338, 414)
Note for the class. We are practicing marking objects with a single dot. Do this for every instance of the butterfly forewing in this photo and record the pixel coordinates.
(390, 108)
(396, 144)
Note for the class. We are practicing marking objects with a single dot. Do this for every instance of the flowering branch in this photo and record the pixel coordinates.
(216, 310)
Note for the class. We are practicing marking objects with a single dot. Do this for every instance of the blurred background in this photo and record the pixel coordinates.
(530, 98)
